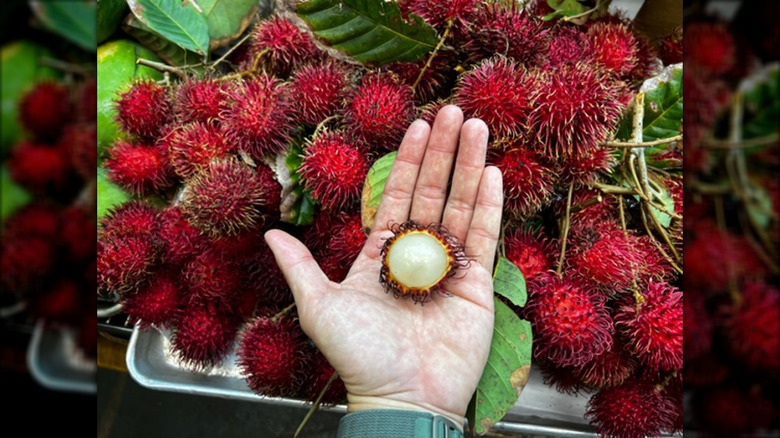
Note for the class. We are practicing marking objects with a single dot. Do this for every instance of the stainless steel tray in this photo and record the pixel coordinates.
(540, 410)
(56, 362)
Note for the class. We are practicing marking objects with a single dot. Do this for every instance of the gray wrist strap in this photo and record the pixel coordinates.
(390, 423)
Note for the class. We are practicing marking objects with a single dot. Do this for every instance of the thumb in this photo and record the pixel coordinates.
(303, 274)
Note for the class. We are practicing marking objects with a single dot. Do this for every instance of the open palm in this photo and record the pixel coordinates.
(393, 353)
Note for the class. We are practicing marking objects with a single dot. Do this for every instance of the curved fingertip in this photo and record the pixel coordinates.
(476, 127)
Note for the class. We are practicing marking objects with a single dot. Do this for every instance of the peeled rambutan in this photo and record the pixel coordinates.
(199, 100)
(532, 252)
(417, 260)
(575, 109)
(509, 31)
(281, 45)
(752, 327)
(609, 368)
(204, 335)
(317, 91)
(528, 180)
(139, 168)
(124, 263)
(613, 46)
(320, 374)
(379, 111)
(272, 358)
(500, 92)
(43, 170)
(211, 276)
(334, 169)
(80, 140)
(571, 324)
(157, 303)
(45, 109)
(653, 327)
(257, 118)
(144, 109)
(634, 409)
(224, 199)
(179, 238)
(193, 146)
(709, 48)
(567, 45)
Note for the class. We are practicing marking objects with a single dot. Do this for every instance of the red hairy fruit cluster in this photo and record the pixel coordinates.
(509, 31)
(528, 180)
(333, 169)
(317, 91)
(203, 336)
(281, 45)
(144, 109)
(533, 254)
(199, 100)
(45, 110)
(752, 327)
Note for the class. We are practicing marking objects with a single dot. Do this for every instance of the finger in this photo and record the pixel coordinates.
(465, 180)
(399, 187)
(485, 228)
(430, 193)
(303, 274)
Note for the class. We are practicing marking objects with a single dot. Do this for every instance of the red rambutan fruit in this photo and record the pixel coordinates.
(139, 168)
(272, 189)
(320, 373)
(144, 109)
(653, 327)
(698, 326)
(78, 234)
(584, 167)
(224, 199)
(752, 327)
(25, 262)
(434, 79)
(282, 45)
(85, 101)
(508, 31)
(317, 91)
(528, 180)
(264, 276)
(80, 140)
(257, 118)
(131, 218)
(347, 239)
(613, 46)
(124, 263)
(379, 110)
(609, 368)
(575, 109)
(500, 92)
(562, 378)
(193, 146)
(272, 358)
(157, 303)
(204, 335)
(333, 170)
(731, 410)
(568, 45)
(199, 100)
(41, 169)
(705, 370)
(590, 207)
(634, 409)
(713, 257)
(39, 218)
(45, 109)
(571, 324)
(670, 48)
(709, 48)
(211, 276)
(533, 254)
(179, 238)
(61, 301)
(439, 13)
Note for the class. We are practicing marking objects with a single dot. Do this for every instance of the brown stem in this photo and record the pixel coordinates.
(741, 144)
(231, 50)
(282, 313)
(322, 124)
(434, 53)
(629, 144)
(315, 405)
(565, 230)
(165, 68)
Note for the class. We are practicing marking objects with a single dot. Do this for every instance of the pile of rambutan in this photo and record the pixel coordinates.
(284, 136)
(47, 250)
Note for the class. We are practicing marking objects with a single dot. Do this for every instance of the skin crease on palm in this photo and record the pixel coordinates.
(392, 353)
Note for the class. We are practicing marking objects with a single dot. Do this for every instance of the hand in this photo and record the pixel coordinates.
(392, 353)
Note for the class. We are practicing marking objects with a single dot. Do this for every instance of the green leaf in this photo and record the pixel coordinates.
(759, 205)
(507, 370)
(181, 24)
(509, 282)
(303, 208)
(109, 18)
(762, 102)
(227, 19)
(372, 32)
(663, 109)
(169, 52)
(373, 188)
(76, 21)
(109, 195)
(665, 200)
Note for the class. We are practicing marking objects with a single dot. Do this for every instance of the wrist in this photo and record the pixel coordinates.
(395, 423)
(365, 403)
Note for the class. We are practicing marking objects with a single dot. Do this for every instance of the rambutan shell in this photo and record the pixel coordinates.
(634, 409)
(199, 100)
(158, 303)
(317, 91)
(204, 335)
(139, 168)
(333, 169)
(281, 45)
(193, 146)
(144, 109)
(752, 327)
(528, 180)
(45, 109)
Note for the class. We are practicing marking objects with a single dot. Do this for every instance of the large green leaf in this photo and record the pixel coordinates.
(76, 21)
(109, 195)
(372, 32)
(509, 282)
(227, 19)
(179, 23)
(762, 102)
(169, 52)
(507, 370)
(663, 109)
(373, 188)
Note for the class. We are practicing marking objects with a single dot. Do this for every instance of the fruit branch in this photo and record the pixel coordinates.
(165, 68)
(316, 404)
(713, 143)
(282, 313)
(434, 53)
(599, 5)
(631, 144)
(222, 58)
(13, 309)
(565, 229)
